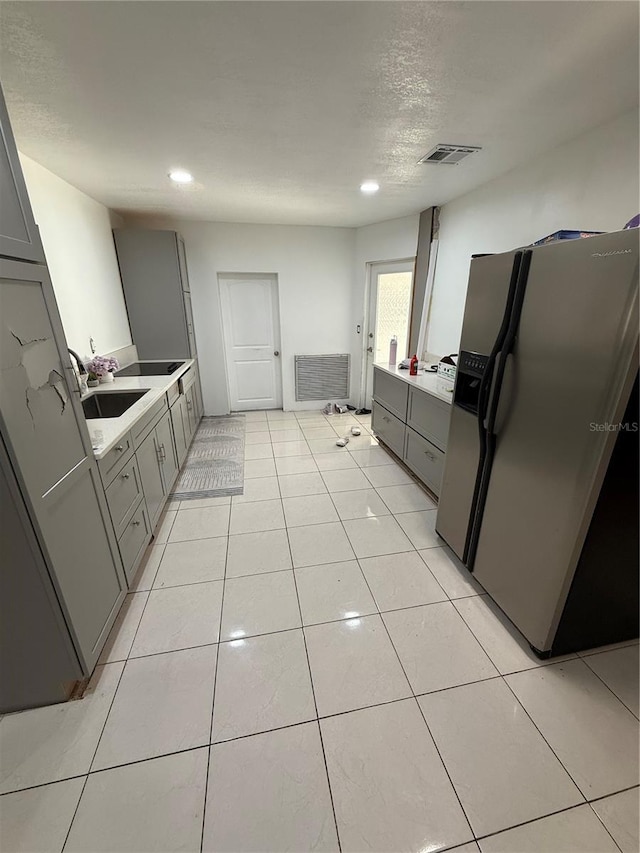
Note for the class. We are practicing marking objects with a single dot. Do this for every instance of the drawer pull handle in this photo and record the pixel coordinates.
(188, 404)
(135, 523)
(430, 455)
(119, 447)
(126, 476)
(164, 452)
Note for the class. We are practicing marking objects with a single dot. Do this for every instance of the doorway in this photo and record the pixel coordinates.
(388, 314)
(251, 330)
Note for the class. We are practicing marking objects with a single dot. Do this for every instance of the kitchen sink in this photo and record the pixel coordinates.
(110, 404)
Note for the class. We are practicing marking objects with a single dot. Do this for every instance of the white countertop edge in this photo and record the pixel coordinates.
(428, 382)
(106, 432)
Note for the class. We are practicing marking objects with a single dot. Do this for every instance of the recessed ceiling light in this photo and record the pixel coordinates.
(180, 176)
(369, 187)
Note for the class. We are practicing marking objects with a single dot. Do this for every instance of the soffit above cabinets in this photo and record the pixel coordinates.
(281, 110)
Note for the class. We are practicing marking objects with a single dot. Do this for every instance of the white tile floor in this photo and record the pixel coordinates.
(306, 667)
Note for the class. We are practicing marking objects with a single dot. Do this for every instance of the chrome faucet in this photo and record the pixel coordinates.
(81, 368)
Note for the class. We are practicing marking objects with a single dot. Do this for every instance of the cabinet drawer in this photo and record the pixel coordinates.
(424, 459)
(388, 428)
(123, 494)
(134, 540)
(187, 379)
(141, 428)
(391, 392)
(173, 393)
(429, 416)
(112, 461)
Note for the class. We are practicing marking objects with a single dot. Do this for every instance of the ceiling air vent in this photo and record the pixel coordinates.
(449, 155)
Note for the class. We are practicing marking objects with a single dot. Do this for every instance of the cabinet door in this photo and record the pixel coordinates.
(392, 392)
(178, 430)
(169, 466)
(190, 401)
(46, 435)
(182, 263)
(197, 394)
(190, 332)
(148, 455)
(19, 236)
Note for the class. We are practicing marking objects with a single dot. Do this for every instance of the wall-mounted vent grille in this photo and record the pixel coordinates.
(448, 155)
(322, 377)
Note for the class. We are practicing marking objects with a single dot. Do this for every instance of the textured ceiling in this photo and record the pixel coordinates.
(280, 110)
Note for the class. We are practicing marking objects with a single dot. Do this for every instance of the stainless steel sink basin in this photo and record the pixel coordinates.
(106, 404)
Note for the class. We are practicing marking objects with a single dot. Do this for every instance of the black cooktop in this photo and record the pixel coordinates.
(150, 368)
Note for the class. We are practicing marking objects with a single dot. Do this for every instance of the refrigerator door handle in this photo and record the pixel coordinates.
(509, 341)
(484, 475)
(485, 398)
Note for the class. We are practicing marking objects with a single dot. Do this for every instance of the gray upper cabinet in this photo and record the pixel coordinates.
(19, 235)
(153, 269)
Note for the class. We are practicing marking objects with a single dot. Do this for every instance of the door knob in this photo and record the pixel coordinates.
(369, 349)
(276, 352)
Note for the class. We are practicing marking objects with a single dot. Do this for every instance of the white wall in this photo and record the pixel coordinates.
(590, 184)
(77, 239)
(314, 269)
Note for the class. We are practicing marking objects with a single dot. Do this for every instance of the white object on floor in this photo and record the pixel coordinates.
(342, 442)
(356, 430)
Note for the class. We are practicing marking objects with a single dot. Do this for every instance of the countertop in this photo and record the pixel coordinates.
(105, 432)
(426, 381)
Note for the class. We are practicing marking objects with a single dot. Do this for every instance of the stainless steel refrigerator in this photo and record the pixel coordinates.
(540, 489)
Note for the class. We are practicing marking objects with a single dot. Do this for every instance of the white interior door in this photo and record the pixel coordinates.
(251, 327)
(388, 314)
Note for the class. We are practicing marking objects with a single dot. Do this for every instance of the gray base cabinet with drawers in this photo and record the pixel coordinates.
(138, 473)
(413, 424)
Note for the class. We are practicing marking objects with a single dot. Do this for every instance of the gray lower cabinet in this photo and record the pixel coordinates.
(425, 459)
(168, 460)
(390, 392)
(419, 437)
(388, 427)
(134, 539)
(177, 423)
(148, 455)
(157, 461)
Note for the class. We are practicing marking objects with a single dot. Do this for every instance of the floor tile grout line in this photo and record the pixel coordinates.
(604, 826)
(561, 762)
(95, 751)
(529, 822)
(539, 667)
(504, 679)
(205, 745)
(624, 644)
(420, 711)
(610, 689)
(215, 681)
(313, 693)
(433, 740)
